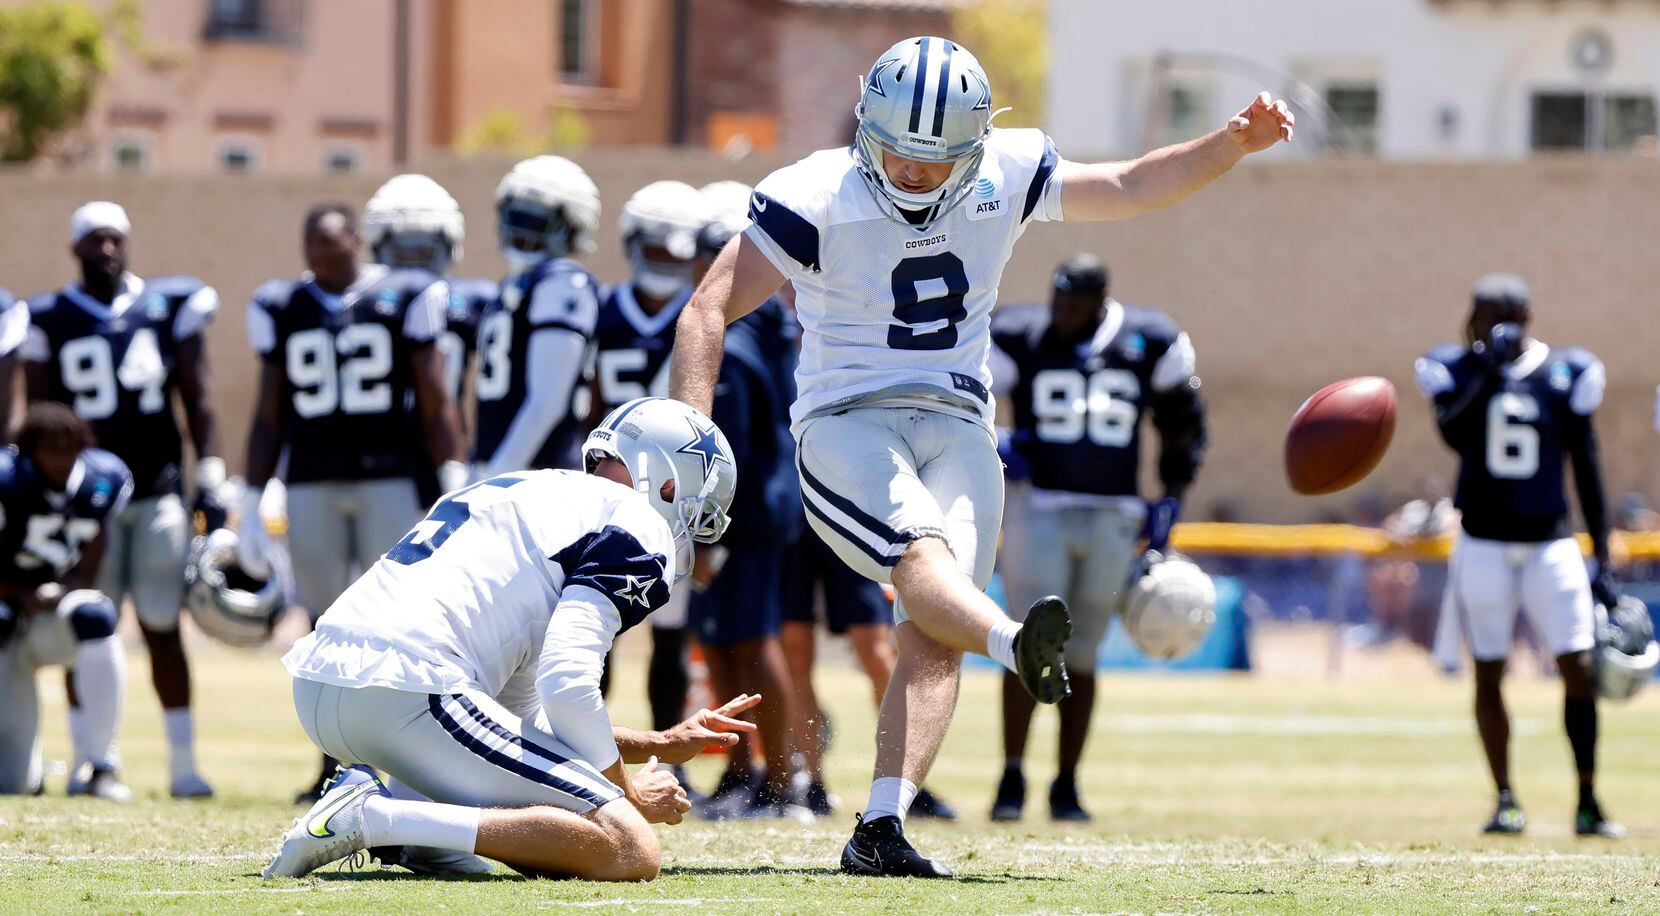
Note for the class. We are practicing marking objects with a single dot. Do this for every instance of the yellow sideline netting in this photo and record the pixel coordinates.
(1304, 540)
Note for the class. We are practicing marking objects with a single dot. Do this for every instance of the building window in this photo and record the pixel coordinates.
(1186, 112)
(238, 155)
(1354, 118)
(130, 154)
(1570, 121)
(233, 18)
(578, 41)
(342, 159)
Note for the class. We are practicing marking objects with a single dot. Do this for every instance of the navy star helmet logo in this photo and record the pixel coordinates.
(637, 590)
(985, 92)
(704, 445)
(875, 82)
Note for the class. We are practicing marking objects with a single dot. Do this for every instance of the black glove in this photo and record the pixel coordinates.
(1604, 590)
(8, 623)
(1502, 346)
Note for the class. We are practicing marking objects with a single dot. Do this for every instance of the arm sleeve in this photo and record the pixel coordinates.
(1179, 416)
(557, 357)
(14, 327)
(579, 634)
(262, 331)
(1043, 193)
(1584, 452)
(1458, 413)
(424, 320)
(782, 226)
(1176, 366)
(197, 313)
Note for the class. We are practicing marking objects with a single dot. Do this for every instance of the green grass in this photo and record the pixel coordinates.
(1221, 794)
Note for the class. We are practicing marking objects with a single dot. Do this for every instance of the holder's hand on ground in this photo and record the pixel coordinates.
(717, 727)
(658, 795)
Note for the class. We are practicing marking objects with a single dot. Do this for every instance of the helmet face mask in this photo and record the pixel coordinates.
(227, 603)
(546, 207)
(418, 249)
(412, 222)
(659, 226)
(531, 231)
(1626, 653)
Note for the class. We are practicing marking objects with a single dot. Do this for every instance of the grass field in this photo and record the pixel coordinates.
(1222, 794)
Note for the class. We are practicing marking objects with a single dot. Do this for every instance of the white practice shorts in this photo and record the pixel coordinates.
(874, 479)
(145, 549)
(459, 748)
(1081, 553)
(1488, 581)
(338, 529)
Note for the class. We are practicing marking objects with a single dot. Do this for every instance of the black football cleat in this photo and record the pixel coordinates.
(1590, 821)
(1064, 805)
(817, 799)
(931, 806)
(1040, 650)
(1507, 819)
(878, 849)
(1011, 797)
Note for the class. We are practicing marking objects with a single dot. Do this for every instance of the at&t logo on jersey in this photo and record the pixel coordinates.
(989, 204)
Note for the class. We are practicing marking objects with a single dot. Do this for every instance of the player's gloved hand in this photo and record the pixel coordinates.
(1604, 590)
(209, 512)
(1502, 346)
(252, 544)
(718, 727)
(1161, 517)
(452, 476)
(1015, 465)
(658, 795)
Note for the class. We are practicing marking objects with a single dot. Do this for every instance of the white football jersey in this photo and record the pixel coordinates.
(473, 596)
(891, 313)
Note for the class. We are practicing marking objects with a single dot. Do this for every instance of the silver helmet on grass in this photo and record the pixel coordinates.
(411, 221)
(1170, 607)
(926, 99)
(1626, 651)
(546, 207)
(227, 603)
(661, 440)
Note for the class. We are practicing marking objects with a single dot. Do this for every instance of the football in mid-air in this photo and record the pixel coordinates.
(1339, 435)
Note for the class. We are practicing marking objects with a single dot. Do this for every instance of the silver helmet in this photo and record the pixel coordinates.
(661, 440)
(411, 221)
(227, 603)
(1626, 651)
(926, 99)
(1170, 607)
(546, 207)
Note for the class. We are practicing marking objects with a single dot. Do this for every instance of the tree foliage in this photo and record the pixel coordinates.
(1009, 38)
(52, 57)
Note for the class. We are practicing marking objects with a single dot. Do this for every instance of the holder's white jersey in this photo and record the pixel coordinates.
(891, 313)
(500, 581)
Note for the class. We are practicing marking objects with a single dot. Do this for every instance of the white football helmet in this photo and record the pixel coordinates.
(727, 213)
(1626, 651)
(546, 207)
(1170, 607)
(659, 440)
(666, 215)
(926, 99)
(227, 603)
(411, 221)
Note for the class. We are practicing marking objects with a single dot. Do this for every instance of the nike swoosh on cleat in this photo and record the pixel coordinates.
(872, 861)
(322, 830)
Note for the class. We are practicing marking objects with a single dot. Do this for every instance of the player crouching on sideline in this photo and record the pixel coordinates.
(1513, 409)
(465, 664)
(56, 495)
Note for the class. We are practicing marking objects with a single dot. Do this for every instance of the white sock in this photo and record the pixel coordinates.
(77, 738)
(1000, 642)
(180, 726)
(399, 822)
(101, 686)
(890, 795)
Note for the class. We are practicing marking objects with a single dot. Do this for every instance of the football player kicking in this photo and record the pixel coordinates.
(466, 663)
(344, 352)
(119, 350)
(57, 495)
(1082, 374)
(895, 246)
(1515, 411)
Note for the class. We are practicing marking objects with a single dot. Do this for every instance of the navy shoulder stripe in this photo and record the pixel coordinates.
(614, 563)
(1045, 168)
(787, 229)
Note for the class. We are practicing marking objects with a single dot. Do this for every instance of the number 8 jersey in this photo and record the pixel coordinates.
(114, 365)
(347, 392)
(890, 312)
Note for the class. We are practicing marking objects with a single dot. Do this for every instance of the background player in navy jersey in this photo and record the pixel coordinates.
(57, 495)
(344, 351)
(14, 330)
(1080, 376)
(1516, 411)
(533, 340)
(659, 225)
(119, 349)
(412, 222)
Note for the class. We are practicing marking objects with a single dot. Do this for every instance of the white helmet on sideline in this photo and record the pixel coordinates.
(1626, 651)
(661, 440)
(667, 215)
(546, 207)
(1170, 608)
(411, 221)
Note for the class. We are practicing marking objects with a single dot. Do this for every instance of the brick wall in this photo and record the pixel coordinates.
(1289, 275)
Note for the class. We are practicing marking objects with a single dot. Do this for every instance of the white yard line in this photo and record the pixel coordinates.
(657, 901)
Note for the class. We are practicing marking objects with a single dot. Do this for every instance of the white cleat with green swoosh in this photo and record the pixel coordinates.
(331, 830)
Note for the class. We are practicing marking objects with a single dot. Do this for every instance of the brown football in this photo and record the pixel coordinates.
(1339, 435)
